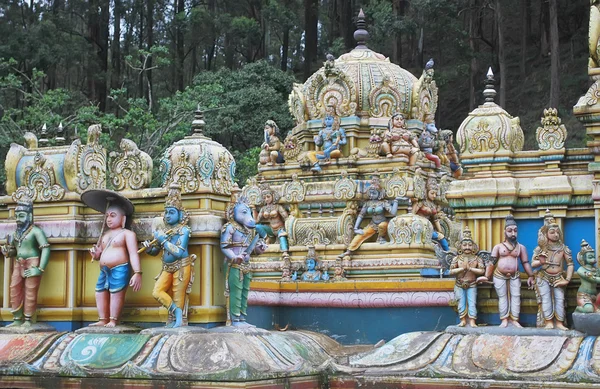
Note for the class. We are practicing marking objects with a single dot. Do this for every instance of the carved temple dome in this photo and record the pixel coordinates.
(198, 163)
(489, 130)
(362, 83)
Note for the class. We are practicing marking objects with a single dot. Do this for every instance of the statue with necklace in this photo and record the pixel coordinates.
(31, 251)
(503, 268)
(173, 284)
(551, 255)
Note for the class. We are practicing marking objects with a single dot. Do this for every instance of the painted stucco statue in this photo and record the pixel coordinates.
(430, 210)
(312, 273)
(272, 148)
(503, 269)
(174, 282)
(30, 250)
(330, 138)
(467, 266)
(376, 207)
(427, 142)
(116, 250)
(238, 241)
(397, 140)
(589, 277)
(551, 255)
(451, 153)
(274, 214)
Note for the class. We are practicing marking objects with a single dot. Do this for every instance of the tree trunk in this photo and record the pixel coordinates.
(149, 44)
(554, 57)
(524, 28)
(544, 23)
(345, 25)
(474, 45)
(98, 19)
(501, 56)
(179, 66)
(285, 48)
(116, 46)
(141, 79)
(311, 18)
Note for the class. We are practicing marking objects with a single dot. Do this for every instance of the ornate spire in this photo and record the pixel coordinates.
(489, 93)
(43, 141)
(361, 35)
(60, 135)
(198, 123)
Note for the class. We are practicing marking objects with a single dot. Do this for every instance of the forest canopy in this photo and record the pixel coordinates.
(140, 68)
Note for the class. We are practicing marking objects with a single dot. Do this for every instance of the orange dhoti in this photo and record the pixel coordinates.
(368, 232)
(24, 290)
(174, 282)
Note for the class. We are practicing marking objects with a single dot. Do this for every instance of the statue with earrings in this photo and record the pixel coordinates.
(116, 250)
(30, 250)
(173, 284)
(467, 266)
(551, 255)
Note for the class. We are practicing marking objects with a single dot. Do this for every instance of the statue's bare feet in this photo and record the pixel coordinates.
(515, 323)
(99, 323)
(472, 323)
(462, 323)
(111, 324)
(504, 323)
(16, 323)
(26, 324)
(560, 326)
(390, 156)
(549, 324)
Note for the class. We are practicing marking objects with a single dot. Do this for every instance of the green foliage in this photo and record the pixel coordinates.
(246, 164)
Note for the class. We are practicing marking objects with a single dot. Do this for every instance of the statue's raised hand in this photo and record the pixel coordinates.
(96, 252)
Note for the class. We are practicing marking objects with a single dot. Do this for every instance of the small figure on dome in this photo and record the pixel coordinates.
(312, 273)
(31, 252)
(238, 241)
(174, 282)
(427, 142)
(430, 210)
(551, 254)
(451, 153)
(397, 139)
(275, 215)
(588, 274)
(376, 207)
(331, 137)
(272, 148)
(467, 266)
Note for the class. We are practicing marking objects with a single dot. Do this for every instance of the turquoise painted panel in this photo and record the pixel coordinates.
(105, 351)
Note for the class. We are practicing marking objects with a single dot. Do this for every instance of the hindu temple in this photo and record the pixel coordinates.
(372, 249)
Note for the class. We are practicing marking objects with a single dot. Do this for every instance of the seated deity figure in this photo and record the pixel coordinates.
(467, 266)
(397, 139)
(30, 250)
(271, 153)
(552, 254)
(430, 210)
(506, 278)
(273, 214)
(311, 273)
(376, 207)
(330, 138)
(174, 282)
(590, 277)
(427, 142)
